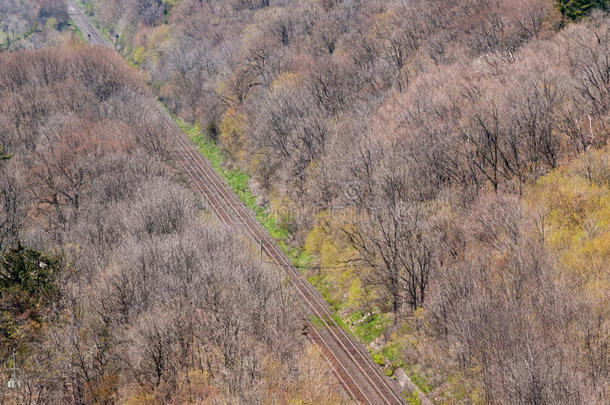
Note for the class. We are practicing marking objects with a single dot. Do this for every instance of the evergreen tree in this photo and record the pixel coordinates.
(26, 278)
(576, 9)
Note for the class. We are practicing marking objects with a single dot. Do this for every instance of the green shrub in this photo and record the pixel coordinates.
(2, 155)
(413, 398)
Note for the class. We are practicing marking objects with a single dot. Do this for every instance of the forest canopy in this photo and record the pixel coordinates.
(439, 170)
(115, 287)
(430, 160)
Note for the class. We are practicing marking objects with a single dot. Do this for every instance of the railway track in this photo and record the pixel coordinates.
(351, 363)
(89, 31)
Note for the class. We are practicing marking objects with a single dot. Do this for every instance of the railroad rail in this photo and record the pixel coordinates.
(89, 31)
(350, 362)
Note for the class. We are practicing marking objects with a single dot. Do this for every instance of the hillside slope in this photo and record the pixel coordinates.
(115, 286)
(437, 166)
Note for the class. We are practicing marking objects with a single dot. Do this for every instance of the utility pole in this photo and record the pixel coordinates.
(261, 250)
(13, 383)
